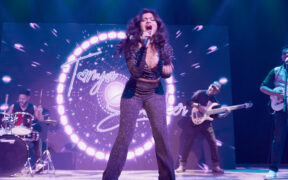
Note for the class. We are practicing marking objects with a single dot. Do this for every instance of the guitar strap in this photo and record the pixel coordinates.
(285, 93)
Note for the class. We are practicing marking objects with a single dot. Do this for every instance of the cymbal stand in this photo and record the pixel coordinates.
(27, 168)
(46, 160)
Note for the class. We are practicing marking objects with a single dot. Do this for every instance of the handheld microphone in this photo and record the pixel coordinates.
(147, 37)
(6, 98)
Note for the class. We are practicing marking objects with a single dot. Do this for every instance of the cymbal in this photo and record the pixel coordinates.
(49, 121)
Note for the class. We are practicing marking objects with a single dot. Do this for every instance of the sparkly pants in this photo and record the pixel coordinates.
(155, 107)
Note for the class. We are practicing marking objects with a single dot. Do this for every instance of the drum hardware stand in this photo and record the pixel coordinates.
(46, 161)
(27, 168)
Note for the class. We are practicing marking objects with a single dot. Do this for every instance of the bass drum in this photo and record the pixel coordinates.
(14, 154)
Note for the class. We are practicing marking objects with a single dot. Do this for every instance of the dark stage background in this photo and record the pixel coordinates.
(32, 54)
(257, 30)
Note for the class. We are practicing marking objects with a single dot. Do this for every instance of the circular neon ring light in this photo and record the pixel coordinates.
(82, 145)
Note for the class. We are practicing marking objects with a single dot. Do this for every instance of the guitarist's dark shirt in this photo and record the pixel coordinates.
(202, 98)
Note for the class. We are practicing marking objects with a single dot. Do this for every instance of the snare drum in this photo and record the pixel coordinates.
(33, 136)
(22, 123)
(14, 154)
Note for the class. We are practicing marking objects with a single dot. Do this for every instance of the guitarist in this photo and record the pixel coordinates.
(200, 100)
(274, 86)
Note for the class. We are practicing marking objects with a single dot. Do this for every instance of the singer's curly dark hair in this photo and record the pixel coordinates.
(134, 33)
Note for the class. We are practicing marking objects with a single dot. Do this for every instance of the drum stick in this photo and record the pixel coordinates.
(40, 100)
(6, 102)
(6, 98)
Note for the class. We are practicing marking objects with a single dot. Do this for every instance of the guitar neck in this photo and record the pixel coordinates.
(221, 110)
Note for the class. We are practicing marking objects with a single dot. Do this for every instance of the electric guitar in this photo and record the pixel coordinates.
(276, 103)
(199, 117)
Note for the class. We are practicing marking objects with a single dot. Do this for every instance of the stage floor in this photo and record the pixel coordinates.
(235, 174)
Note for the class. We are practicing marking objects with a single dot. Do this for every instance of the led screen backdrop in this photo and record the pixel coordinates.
(81, 81)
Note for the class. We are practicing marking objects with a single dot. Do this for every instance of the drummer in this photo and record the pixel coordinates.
(23, 105)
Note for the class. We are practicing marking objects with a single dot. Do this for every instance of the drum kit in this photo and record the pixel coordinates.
(16, 131)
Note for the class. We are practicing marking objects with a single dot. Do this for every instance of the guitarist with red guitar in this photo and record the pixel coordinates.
(201, 101)
(275, 85)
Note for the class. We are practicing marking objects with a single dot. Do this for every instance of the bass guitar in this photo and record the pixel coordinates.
(277, 103)
(199, 117)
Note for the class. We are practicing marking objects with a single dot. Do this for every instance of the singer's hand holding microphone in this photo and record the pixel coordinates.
(146, 37)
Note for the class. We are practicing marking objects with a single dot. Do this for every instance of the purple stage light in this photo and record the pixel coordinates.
(60, 88)
(130, 155)
(171, 100)
(148, 145)
(170, 89)
(63, 120)
(34, 26)
(59, 99)
(90, 151)
(94, 40)
(78, 51)
(68, 129)
(212, 49)
(223, 80)
(4, 107)
(100, 155)
(103, 36)
(219, 143)
(139, 151)
(54, 32)
(19, 47)
(112, 35)
(82, 146)
(61, 109)
(71, 58)
(198, 28)
(121, 35)
(85, 45)
(6, 79)
(74, 138)
(62, 78)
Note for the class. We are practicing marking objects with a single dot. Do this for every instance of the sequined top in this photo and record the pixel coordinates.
(138, 68)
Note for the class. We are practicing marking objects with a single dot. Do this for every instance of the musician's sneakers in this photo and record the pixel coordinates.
(271, 174)
(180, 169)
(217, 170)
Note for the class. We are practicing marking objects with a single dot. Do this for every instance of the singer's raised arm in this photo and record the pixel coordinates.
(135, 60)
